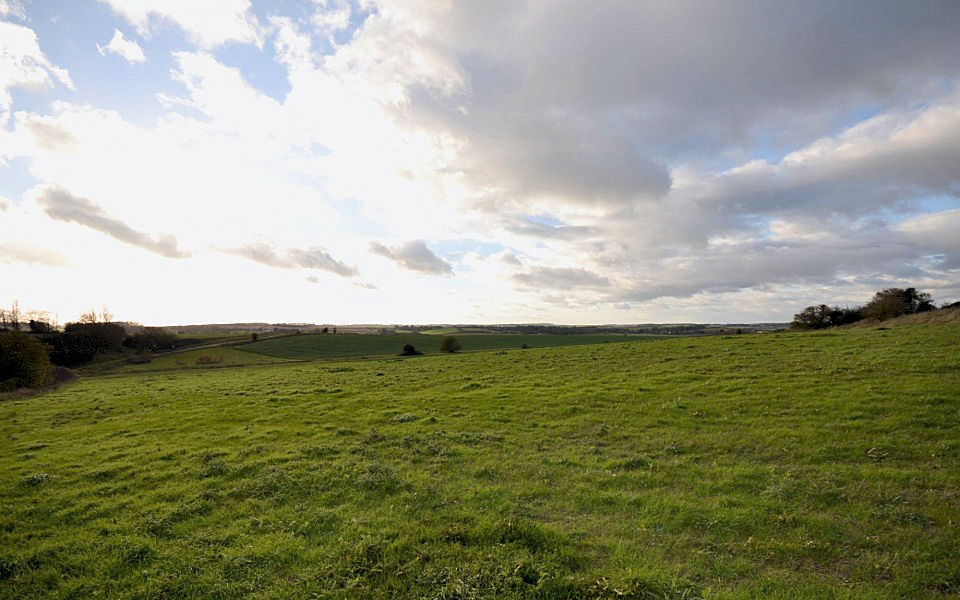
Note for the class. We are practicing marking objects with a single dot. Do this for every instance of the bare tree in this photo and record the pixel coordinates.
(14, 316)
(105, 315)
(89, 317)
(3, 318)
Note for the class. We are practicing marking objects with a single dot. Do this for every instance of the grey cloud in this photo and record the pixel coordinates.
(584, 103)
(414, 255)
(560, 278)
(310, 258)
(822, 262)
(61, 205)
(542, 230)
(315, 258)
(50, 135)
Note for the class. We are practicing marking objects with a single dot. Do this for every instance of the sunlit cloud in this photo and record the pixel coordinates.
(126, 49)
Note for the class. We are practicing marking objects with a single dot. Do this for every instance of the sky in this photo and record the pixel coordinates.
(485, 161)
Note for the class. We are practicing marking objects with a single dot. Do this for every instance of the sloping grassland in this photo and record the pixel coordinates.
(821, 465)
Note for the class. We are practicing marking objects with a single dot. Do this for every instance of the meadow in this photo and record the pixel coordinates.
(360, 345)
(822, 465)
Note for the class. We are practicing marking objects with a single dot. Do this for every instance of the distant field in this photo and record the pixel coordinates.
(205, 358)
(356, 345)
(455, 330)
(776, 466)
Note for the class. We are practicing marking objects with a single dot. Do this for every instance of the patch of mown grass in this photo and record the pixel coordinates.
(761, 466)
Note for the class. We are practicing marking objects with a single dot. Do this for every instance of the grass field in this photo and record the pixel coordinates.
(203, 358)
(821, 465)
(357, 345)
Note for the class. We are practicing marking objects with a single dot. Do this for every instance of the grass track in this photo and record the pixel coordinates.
(820, 465)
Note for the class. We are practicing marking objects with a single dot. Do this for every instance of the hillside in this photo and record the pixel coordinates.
(945, 316)
(824, 465)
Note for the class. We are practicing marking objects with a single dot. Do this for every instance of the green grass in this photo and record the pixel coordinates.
(771, 466)
(359, 345)
(202, 358)
(213, 338)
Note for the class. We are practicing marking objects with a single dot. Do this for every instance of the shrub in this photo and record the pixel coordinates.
(450, 344)
(24, 361)
(208, 359)
(108, 337)
(893, 302)
(152, 339)
(823, 316)
(409, 350)
(70, 349)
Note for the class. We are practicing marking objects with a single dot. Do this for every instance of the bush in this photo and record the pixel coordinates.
(108, 337)
(823, 316)
(208, 359)
(409, 350)
(450, 344)
(24, 361)
(894, 302)
(152, 339)
(70, 349)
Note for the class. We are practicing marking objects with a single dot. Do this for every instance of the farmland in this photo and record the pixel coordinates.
(358, 345)
(823, 465)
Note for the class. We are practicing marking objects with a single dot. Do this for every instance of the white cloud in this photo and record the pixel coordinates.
(126, 49)
(24, 65)
(12, 9)
(209, 23)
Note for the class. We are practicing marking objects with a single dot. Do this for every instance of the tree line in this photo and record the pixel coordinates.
(31, 347)
(885, 304)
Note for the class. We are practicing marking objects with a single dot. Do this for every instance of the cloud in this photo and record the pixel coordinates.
(414, 255)
(24, 65)
(61, 205)
(50, 134)
(560, 278)
(542, 230)
(126, 49)
(690, 157)
(310, 258)
(12, 9)
(209, 23)
(880, 162)
(30, 254)
(936, 233)
(598, 118)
